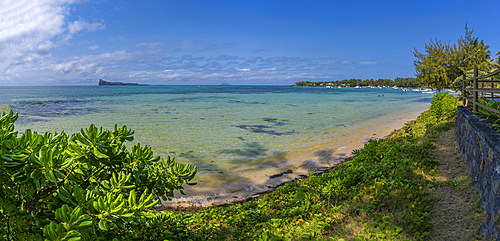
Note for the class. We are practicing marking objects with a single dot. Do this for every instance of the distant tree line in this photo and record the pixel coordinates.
(401, 82)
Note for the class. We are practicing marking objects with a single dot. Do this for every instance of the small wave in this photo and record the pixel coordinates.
(193, 201)
(312, 161)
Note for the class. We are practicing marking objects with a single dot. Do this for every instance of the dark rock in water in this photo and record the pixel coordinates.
(262, 129)
(270, 119)
(102, 82)
(281, 174)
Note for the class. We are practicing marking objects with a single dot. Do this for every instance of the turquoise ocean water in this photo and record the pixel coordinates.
(236, 135)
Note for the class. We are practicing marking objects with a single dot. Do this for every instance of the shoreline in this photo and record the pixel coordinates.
(320, 157)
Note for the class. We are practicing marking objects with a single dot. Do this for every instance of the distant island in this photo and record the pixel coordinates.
(102, 82)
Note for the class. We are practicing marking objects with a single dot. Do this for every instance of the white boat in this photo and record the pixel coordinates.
(404, 89)
(428, 91)
(339, 87)
(328, 86)
(357, 87)
(395, 87)
(417, 89)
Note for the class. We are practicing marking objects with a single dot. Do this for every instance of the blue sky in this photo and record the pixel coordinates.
(195, 42)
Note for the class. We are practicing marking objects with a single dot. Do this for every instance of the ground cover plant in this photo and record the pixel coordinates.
(382, 193)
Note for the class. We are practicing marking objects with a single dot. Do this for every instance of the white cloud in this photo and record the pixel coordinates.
(187, 44)
(93, 47)
(367, 62)
(116, 39)
(26, 29)
(147, 44)
(78, 26)
(244, 70)
(81, 25)
(82, 69)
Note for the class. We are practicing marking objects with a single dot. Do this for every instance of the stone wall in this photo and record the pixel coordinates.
(480, 147)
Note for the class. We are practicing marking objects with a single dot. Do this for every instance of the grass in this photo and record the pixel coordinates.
(457, 213)
(410, 186)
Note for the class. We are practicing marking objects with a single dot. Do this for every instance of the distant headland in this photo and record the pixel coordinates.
(102, 82)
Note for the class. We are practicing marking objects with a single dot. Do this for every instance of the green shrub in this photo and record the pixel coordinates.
(457, 83)
(444, 106)
(87, 186)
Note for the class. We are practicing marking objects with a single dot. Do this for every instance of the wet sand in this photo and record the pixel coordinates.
(290, 166)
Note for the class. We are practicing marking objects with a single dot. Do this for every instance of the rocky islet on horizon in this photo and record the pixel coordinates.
(103, 82)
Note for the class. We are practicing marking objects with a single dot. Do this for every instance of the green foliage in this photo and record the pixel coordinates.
(457, 83)
(489, 115)
(431, 66)
(442, 63)
(84, 187)
(470, 53)
(444, 106)
(495, 64)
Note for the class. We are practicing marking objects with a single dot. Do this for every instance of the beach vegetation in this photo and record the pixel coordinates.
(457, 83)
(443, 107)
(487, 115)
(441, 63)
(87, 186)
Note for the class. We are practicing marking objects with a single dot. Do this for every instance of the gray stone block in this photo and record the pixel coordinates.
(480, 148)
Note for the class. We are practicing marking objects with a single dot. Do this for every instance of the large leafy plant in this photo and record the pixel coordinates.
(489, 115)
(88, 186)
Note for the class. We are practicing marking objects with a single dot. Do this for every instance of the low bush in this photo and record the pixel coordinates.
(444, 106)
(87, 186)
